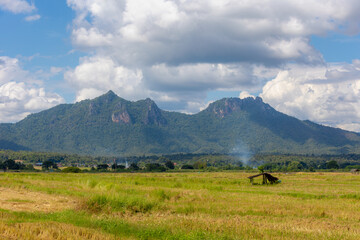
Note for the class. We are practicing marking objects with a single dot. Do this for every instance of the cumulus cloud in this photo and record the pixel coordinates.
(20, 94)
(178, 32)
(180, 88)
(10, 70)
(175, 51)
(200, 77)
(328, 95)
(95, 76)
(17, 6)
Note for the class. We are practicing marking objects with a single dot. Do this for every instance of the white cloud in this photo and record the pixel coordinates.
(98, 75)
(20, 94)
(17, 6)
(328, 95)
(10, 70)
(33, 18)
(202, 31)
(180, 88)
(199, 77)
(245, 94)
(56, 70)
(175, 51)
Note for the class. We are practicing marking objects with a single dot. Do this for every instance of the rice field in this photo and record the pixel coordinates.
(182, 205)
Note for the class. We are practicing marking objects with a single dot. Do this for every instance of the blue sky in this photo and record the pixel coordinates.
(301, 58)
(337, 47)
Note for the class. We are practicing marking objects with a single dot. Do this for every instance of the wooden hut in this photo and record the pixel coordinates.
(267, 178)
(355, 171)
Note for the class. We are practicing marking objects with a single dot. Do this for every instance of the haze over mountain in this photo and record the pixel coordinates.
(110, 125)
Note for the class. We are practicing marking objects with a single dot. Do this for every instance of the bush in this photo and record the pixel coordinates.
(155, 167)
(187, 166)
(71, 170)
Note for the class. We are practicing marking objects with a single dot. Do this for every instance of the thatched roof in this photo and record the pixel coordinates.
(267, 176)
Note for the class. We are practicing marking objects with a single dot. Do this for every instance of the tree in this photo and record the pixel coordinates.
(294, 166)
(3, 166)
(11, 164)
(332, 165)
(200, 165)
(29, 167)
(163, 159)
(120, 166)
(49, 164)
(187, 166)
(155, 167)
(102, 166)
(134, 167)
(169, 164)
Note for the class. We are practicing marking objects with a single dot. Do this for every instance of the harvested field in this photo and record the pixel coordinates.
(193, 205)
(24, 200)
(49, 230)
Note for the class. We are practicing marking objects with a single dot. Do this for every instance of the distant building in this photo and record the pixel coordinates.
(19, 161)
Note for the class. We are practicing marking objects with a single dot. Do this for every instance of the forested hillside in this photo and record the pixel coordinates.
(112, 126)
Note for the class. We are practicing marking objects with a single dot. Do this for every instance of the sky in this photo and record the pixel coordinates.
(301, 57)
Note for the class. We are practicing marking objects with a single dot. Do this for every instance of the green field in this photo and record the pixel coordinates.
(188, 205)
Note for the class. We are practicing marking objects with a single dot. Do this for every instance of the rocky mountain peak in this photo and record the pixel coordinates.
(107, 97)
(153, 114)
(227, 106)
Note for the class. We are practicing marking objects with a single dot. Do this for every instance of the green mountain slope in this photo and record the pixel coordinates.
(110, 125)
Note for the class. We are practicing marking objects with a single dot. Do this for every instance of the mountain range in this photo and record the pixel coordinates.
(111, 126)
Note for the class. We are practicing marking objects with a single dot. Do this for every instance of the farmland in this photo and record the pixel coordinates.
(178, 205)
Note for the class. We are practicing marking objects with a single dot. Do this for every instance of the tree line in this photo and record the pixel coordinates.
(269, 162)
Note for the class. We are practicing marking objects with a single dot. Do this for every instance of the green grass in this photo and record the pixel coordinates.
(197, 205)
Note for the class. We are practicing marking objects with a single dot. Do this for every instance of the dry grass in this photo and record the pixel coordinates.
(25, 200)
(186, 205)
(49, 231)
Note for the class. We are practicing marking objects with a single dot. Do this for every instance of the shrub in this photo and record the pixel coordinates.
(155, 167)
(187, 166)
(71, 170)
